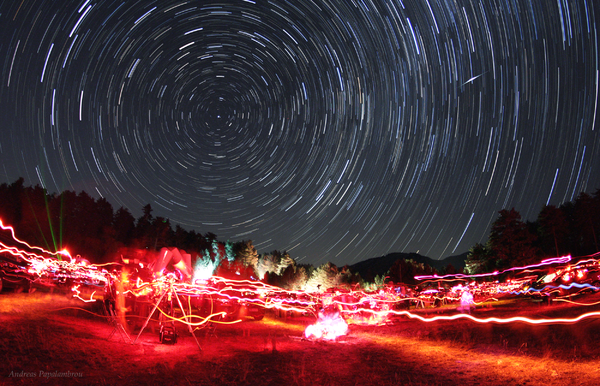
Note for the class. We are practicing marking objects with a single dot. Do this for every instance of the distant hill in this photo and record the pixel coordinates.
(370, 268)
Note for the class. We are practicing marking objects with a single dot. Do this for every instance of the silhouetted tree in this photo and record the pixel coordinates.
(400, 272)
(552, 230)
(510, 241)
(101, 238)
(124, 224)
(161, 232)
(450, 270)
(11, 208)
(210, 237)
(142, 236)
(586, 215)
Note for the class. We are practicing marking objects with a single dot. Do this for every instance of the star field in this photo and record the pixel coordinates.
(335, 130)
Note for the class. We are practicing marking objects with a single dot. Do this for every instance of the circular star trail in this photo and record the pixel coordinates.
(335, 130)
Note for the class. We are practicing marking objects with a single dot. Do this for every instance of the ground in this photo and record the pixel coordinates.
(49, 339)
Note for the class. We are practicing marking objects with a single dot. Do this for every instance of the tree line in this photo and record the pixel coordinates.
(570, 229)
(91, 227)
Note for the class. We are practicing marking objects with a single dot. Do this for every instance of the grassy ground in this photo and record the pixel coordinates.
(48, 339)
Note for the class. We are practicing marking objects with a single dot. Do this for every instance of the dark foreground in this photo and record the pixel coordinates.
(47, 339)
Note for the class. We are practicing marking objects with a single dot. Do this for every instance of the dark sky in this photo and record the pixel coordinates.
(336, 130)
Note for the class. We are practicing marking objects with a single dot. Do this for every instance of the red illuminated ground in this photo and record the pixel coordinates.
(42, 335)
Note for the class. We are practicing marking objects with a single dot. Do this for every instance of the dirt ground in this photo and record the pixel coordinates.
(48, 339)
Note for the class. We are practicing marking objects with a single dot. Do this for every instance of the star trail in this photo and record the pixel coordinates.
(335, 130)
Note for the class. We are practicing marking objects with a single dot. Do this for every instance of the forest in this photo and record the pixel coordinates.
(570, 229)
(92, 228)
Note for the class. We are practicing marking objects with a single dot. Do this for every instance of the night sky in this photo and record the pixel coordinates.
(336, 130)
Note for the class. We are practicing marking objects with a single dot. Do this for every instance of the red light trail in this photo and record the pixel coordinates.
(335, 310)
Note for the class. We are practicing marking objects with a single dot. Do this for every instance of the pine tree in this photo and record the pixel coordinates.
(511, 241)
